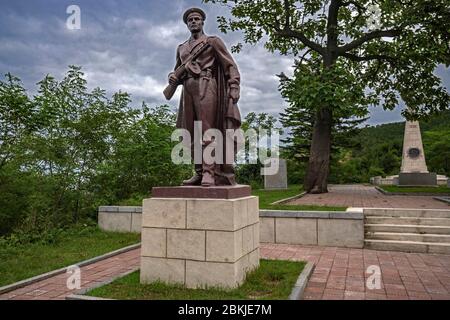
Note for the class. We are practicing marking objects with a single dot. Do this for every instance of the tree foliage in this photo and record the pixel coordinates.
(68, 150)
(395, 60)
(345, 61)
(248, 172)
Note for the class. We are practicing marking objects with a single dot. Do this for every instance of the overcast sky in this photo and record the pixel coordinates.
(130, 45)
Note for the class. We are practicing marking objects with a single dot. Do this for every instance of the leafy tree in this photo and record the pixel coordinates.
(351, 62)
(299, 117)
(437, 150)
(141, 158)
(68, 150)
(247, 172)
(17, 118)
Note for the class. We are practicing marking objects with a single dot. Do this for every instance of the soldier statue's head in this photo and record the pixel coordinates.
(194, 18)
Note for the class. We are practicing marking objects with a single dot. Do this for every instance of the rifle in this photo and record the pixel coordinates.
(169, 91)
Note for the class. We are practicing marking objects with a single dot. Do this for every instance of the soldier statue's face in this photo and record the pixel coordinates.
(195, 22)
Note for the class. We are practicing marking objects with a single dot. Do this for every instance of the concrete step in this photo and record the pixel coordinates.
(414, 237)
(408, 246)
(418, 213)
(407, 228)
(407, 221)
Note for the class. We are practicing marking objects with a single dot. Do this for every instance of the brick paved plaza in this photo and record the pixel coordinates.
(362, 196)
(55, 288)
(339, 274)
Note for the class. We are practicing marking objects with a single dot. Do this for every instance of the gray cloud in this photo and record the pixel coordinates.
(130, 46)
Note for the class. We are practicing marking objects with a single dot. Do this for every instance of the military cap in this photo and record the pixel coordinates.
(192, 10)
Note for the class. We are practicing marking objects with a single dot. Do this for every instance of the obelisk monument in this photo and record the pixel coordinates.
(414, 171)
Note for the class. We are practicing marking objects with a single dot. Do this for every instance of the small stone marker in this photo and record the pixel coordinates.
(278, 180)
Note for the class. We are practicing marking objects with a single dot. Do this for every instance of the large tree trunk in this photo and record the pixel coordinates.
(316, 179)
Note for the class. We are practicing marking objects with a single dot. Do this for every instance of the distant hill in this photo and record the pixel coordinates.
(394, 131)
(377, 150)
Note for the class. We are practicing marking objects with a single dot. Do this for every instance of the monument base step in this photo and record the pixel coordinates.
(417, 179)
(407, 228)
(414, 237)
(410, 213)
(407, 246)
(408, 221)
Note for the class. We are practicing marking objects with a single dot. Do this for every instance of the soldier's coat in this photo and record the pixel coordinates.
(225, 72)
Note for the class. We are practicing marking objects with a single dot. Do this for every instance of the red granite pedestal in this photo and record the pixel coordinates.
(216, 192)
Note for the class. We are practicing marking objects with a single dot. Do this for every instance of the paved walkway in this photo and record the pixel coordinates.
(55, 288)
(362, 196)
(339, 274)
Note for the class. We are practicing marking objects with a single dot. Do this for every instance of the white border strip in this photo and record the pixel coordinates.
(302, 281)
(289, 199)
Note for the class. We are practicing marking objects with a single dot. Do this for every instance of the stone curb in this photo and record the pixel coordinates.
(50, 274)
(296, 293)
(81, 294)
(443, 199)
(311, 214)
(425, 194)
(302, 281)
(289, 199)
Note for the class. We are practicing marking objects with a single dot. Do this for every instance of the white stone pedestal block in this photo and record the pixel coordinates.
(199, 243)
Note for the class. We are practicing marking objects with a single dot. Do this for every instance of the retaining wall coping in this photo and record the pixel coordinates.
(349, 214)
(311, 214)
(135, 209)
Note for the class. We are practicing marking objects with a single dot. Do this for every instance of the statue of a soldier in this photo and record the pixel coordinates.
(211, 86)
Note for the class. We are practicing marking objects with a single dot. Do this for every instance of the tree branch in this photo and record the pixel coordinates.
(300, 36)
(359, 7)
(287, 22)
(370, 57)
(332, 24)
(367, 37)
(287, 32)
(304, 56)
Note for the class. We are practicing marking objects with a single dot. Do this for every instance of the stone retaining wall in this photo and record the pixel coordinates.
(340, 229)
(120, 218)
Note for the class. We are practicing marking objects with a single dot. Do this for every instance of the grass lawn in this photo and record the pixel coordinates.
(273, 280)
(439, 189)
(266, 197)
(25, 261)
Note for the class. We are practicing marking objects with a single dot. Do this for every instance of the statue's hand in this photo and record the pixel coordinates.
(234, 94)
(173, 80)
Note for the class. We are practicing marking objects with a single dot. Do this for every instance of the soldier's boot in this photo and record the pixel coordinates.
(196, 179)
(208, 180)
(208, 175)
